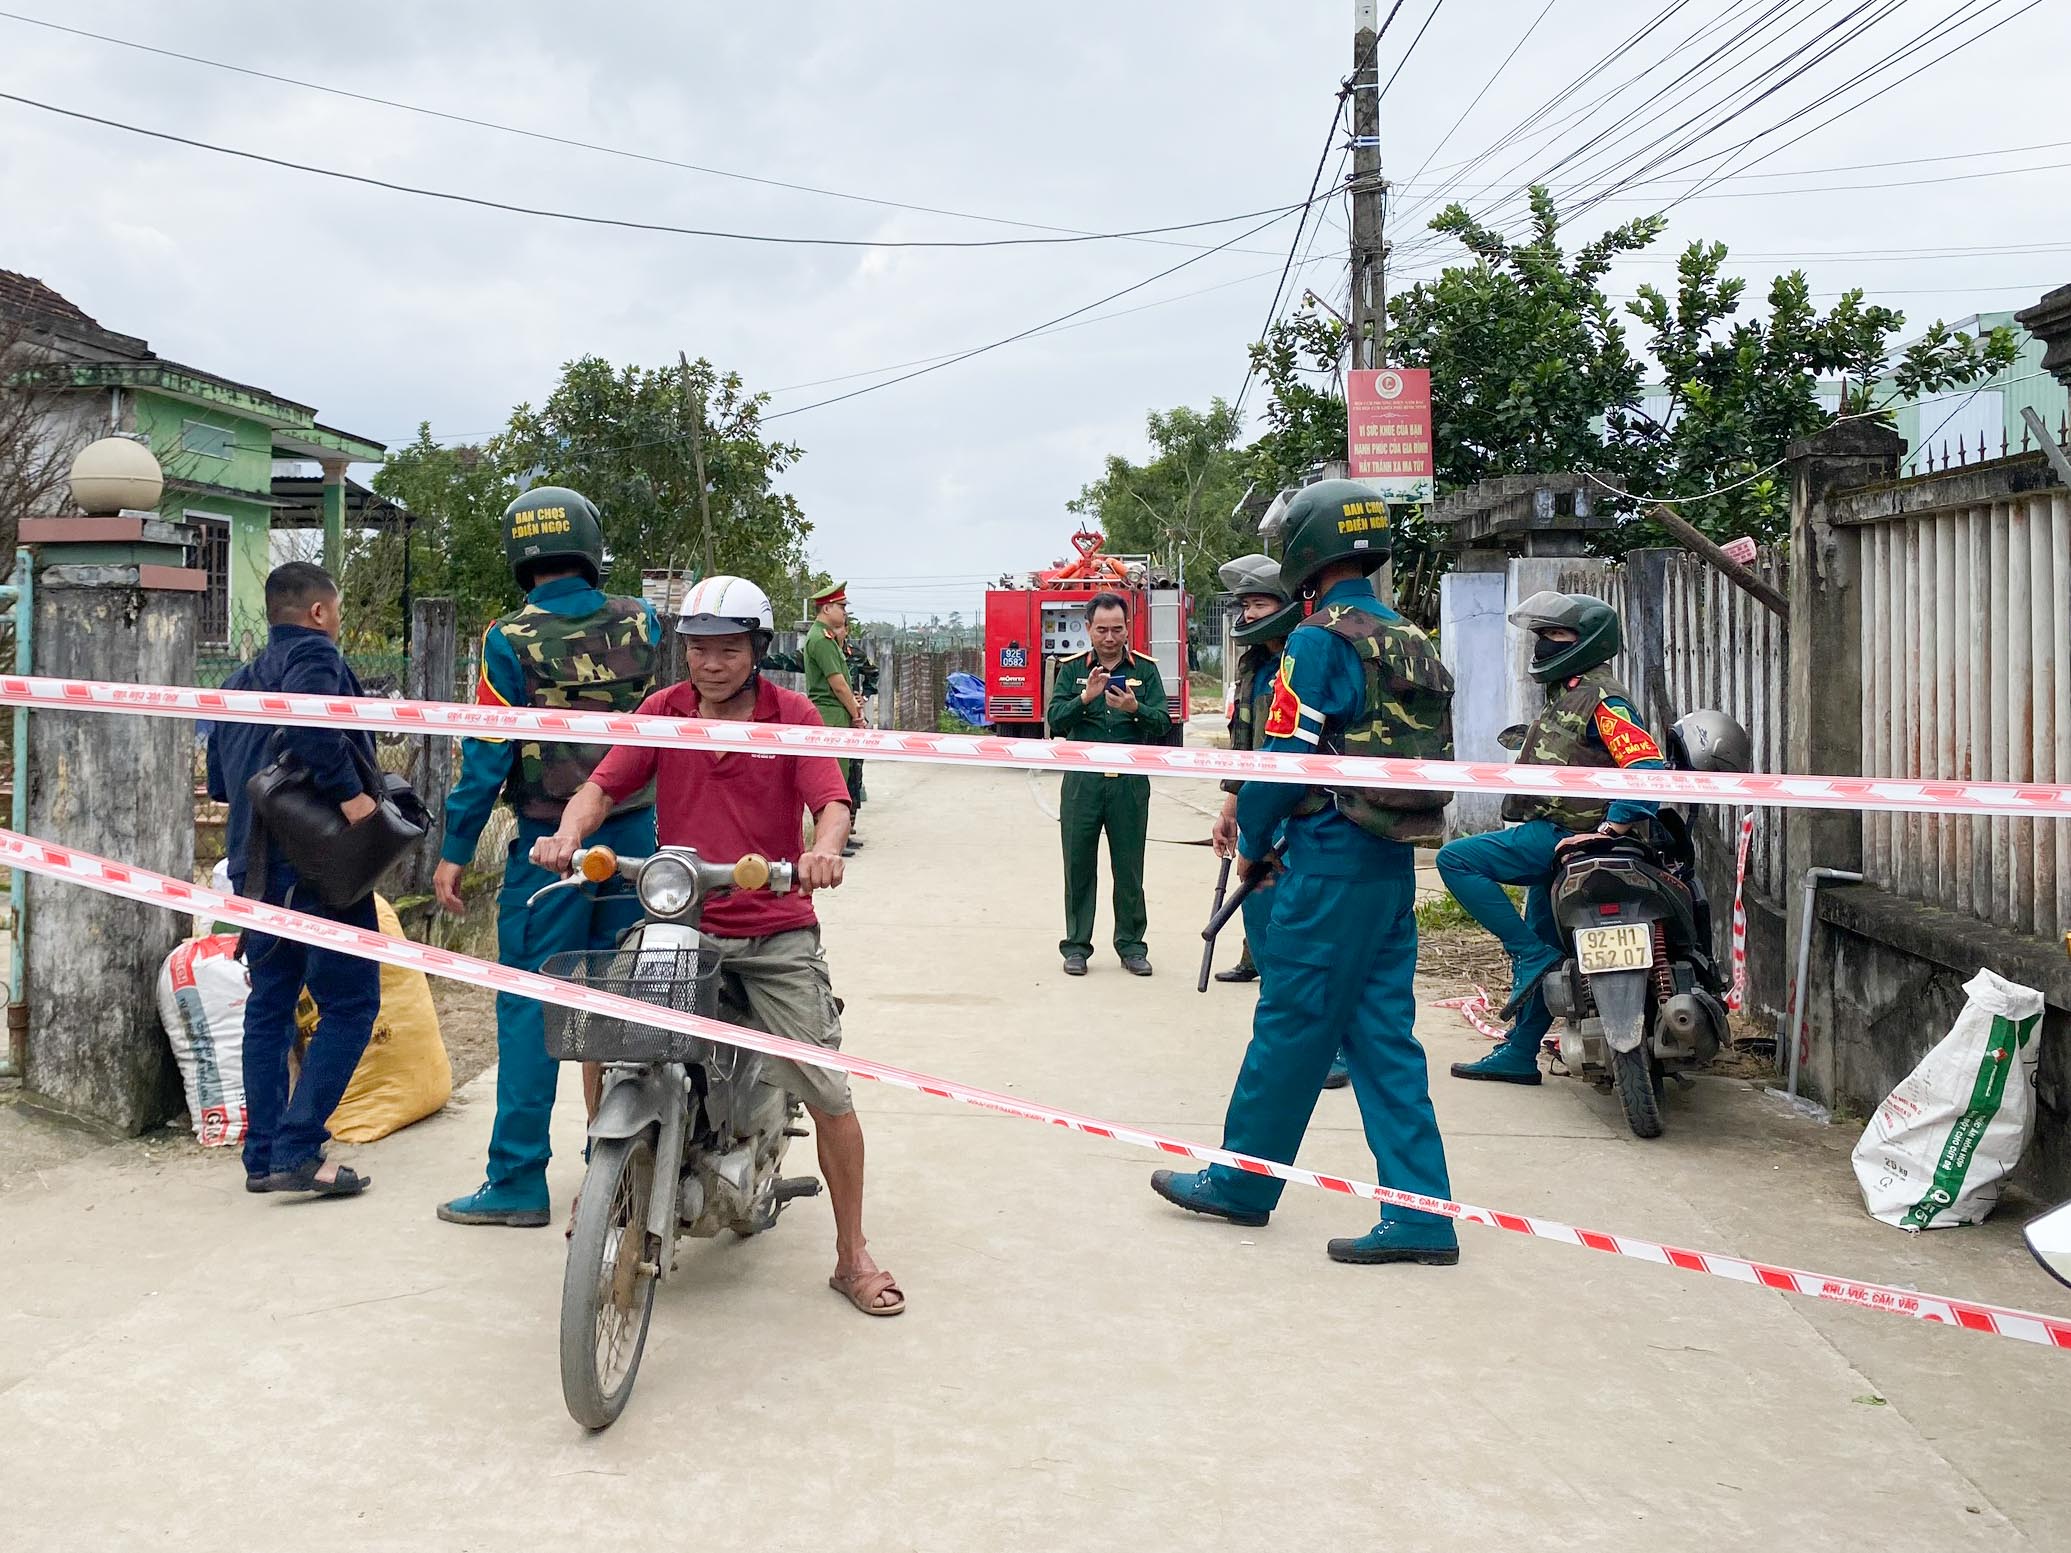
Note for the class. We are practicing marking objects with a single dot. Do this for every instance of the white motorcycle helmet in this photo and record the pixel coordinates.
(727, 606)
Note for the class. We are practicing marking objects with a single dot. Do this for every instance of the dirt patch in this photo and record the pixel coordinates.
(467, 1022)
(1451, 961)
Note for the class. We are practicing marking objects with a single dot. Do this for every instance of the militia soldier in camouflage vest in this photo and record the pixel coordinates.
(1355, 678)
(1588, 720)
(568, 645)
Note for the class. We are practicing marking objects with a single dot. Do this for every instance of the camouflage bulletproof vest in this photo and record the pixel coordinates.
(600, 662)
(1409, 716)
(1254, 696)
(1559, 736)
(1253, 701)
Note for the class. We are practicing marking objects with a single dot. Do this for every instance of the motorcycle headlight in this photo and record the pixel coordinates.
(666, 886)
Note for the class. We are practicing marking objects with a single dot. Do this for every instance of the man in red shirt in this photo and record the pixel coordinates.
(726, 804)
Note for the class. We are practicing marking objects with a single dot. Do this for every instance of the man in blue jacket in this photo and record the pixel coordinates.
(285, 1134)
(567, 646)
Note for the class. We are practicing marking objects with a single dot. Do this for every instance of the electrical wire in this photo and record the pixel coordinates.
(1889, 86)
(1337, 117)
(1494, 76)
(462, 438)
(540, 135)
(1048, 323)
(645, 226)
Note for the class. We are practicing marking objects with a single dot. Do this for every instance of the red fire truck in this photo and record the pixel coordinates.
(1031, 624)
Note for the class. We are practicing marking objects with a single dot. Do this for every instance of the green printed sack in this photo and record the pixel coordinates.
(1943, 1143)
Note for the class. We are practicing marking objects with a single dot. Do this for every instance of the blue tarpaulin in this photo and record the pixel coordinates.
(965, 699)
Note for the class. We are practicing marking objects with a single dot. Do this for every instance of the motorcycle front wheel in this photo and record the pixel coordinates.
(1639, 1091)
(607, 1294)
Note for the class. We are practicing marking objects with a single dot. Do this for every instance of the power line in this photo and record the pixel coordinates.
(1795, 172)
(1337, 117)
(641, 226)
(1047, 324)
(1436, 7)
(540, 135)
(463, 437)
(1491, 81)
(1889, 86)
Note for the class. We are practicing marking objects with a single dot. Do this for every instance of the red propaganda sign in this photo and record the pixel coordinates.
(1388, 419)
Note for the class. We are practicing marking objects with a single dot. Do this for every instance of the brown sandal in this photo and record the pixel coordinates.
(863, 1290)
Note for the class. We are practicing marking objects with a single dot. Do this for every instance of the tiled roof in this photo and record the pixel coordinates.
(28, 300)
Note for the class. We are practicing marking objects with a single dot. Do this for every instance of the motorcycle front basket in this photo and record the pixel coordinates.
(686, 980)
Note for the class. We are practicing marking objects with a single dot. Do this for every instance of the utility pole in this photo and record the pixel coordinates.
(1369, 190)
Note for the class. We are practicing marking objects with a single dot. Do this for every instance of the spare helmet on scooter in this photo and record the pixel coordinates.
(728, 606)
(1598, 635)
(1710, 741)
(1258, 576)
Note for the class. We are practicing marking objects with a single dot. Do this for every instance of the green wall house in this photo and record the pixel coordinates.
(217, 440)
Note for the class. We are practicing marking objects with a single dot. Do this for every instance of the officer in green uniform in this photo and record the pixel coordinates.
(1356, 679)
(1588, 720)
(569, 645)
(1106, 695)
(862, 677)
(828, 684)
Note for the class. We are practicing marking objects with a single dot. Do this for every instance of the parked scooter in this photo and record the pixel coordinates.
(1642, 994)
(687, 1140)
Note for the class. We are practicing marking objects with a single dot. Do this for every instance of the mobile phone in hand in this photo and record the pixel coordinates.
(1117, 687)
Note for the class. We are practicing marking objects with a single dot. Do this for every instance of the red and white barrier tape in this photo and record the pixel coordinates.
(1886, 794)
(155, 889)
(1737, 994)
(1474, 1008)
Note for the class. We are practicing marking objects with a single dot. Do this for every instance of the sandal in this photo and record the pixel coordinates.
(347, 1183)
(863, 1290)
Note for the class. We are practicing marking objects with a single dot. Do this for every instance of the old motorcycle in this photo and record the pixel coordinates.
(688, 1139)
(1642, 993)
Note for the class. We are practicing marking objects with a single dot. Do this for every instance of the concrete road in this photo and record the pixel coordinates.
(184, 1366)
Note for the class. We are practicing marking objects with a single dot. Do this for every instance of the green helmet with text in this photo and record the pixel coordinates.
(551, 528)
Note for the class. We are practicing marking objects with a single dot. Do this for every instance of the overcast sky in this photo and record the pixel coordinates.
(384, 309)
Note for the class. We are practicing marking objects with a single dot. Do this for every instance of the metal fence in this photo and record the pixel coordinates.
(1966, 656)
(1695, 641)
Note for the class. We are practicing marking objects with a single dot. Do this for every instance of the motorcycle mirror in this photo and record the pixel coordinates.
(598, 864)
(1512, 738)
(2049, 1238)
(751, 872)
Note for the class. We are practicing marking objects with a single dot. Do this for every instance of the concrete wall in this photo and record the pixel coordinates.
(1887, 984)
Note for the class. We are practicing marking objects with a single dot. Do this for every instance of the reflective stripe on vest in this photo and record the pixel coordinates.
(1559, 736)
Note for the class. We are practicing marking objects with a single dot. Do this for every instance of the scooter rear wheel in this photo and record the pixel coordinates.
(607, 1293)
(1639, 1091)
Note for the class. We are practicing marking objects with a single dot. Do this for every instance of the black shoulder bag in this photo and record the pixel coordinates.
(341, 862)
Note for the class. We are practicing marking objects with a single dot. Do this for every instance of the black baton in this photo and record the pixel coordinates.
(1222, 884)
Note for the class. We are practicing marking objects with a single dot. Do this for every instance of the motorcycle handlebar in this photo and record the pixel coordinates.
(595, 865)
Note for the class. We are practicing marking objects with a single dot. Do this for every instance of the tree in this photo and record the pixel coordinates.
(1305, 421)
(456, 497)
(1739, 390)
(1180, 502)
(37, 441)
(623, 437)
(1530, 370)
